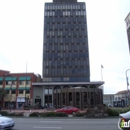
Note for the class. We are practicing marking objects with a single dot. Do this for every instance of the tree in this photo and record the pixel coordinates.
(3, 93)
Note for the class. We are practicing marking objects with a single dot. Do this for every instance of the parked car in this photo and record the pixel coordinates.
(124, 121)
(6, 122)
(68, 110)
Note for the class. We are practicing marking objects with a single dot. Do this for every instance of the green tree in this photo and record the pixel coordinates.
(3, 93)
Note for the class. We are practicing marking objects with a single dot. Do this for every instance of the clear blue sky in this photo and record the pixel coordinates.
(21, 39)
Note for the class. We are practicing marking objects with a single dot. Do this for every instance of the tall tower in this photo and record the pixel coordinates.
(65, 47)
(127, 20)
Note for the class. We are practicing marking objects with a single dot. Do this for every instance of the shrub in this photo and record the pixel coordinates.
(4, 113)
(11, 114)
(19, 114)
(113, 112)
(79, 114)
(34, 114)
(48, 114)
(61, 114)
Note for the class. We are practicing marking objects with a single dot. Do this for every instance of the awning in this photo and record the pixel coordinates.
(10, 78)
(24, 88)
(7, 88)
(1, 78)
(25, 78)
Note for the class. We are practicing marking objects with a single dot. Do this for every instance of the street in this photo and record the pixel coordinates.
(65, 124)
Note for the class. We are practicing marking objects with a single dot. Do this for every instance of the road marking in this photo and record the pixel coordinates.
(39, 127)
(50, 121)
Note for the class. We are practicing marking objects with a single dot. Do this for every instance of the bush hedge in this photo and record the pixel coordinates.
(79, 114)
(4, 113)
(61, 114)
(48, 114)
(34, 114)
(16, 114)
(117, 111)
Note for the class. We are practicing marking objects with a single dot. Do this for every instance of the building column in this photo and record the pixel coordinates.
(67, 97)
(83, 99)
(52, 95)
(80, 99)
(94, 96)
(88, 98)
(43, 98)
(56, 99)
(74, 97)
(61, 101)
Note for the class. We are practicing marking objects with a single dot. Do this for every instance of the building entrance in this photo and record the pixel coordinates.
(48, 100)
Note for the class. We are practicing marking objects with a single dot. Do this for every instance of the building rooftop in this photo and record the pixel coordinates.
(127, 16)
(122, 92)
(65, 1)
(67, 83)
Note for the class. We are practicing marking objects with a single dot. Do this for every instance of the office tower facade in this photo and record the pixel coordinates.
(65, 49)
(127, 20)
(66, 70)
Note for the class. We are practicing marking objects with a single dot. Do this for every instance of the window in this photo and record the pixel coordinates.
(8, 82)
(20, 91)
(27, 82)
(21, 82)
(13, 82)
(13, 92)
(7, 91)
(27, 91)
(1, 82)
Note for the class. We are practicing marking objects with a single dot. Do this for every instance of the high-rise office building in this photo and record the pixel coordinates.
(65, 49)
(66, 70)
(127, 20)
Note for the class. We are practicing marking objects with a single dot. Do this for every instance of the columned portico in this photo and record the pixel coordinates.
(81, 95)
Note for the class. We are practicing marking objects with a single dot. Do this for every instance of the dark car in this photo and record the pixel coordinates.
(124, 121)
(68, 110)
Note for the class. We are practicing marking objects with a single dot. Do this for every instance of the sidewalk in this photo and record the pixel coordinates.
(33, 110)
(26, 111)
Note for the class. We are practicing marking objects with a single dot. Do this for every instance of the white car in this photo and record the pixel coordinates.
(6, 122)
(124, 121)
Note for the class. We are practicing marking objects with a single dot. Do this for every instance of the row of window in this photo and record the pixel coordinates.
(65, 20)
(66, 71)
(60, 50)
(65, 13)
(57, 56)
(14, 82)
(64, 6)
(76, 62)
(54, 33)
(20, 91)
(71, 40)
(69, 79)
(66, 48)
(65, 26)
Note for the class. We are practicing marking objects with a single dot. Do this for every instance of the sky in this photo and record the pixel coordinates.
(21, 39)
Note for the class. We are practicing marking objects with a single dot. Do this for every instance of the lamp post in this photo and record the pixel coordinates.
(127, 85)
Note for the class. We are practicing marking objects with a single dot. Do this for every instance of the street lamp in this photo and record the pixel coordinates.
(127, 85)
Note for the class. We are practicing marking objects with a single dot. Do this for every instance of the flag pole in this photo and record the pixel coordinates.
(102, 79)
(101, 73)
